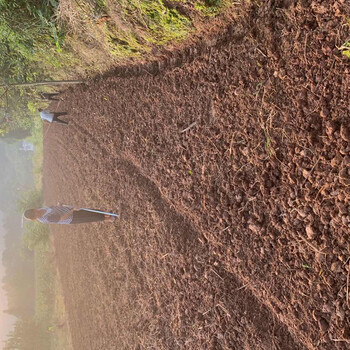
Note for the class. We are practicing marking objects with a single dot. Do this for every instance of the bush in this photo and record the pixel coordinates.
(36, 234)
(26, 335)
(31, 199)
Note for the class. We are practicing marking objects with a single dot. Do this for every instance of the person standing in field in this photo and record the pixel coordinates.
(49, 96)
(52, 117)
(67, 215)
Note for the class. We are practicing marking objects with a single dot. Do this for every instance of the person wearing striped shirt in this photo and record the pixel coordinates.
(65, 215)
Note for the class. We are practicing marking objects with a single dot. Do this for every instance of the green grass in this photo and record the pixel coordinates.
(31, 39)
(51, 39)
(133, 28)
(211, 7)
(159, 24)
(124, 29)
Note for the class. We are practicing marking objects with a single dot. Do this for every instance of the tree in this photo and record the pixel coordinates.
(27, 335)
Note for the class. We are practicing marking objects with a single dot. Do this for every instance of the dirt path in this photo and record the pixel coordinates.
(230, 165)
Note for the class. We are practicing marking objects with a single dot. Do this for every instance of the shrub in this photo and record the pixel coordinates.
(30, 199)
(36, 234)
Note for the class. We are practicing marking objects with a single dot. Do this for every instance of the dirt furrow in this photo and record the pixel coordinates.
(231, 166)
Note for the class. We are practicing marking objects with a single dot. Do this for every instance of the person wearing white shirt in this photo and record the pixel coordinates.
(67, 215)
(52, 117)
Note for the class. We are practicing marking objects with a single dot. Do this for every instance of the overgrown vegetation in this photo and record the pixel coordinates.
(128, 28)
(50, 39)
(42, 39)
(30, 40)
(26, 335)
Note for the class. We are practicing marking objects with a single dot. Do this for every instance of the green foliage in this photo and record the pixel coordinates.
(345, 49)
(18, 108)
(50, 39)
(101, 7)
(213, 2)
(36, 234)
(30, 45)
(26, 335)
(30, 199)
(211, 7)
(28, 36)
(164, 24)
(157, 25)
(346, 53)
(123, 44)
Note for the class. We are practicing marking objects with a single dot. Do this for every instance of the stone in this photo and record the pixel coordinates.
(323, 324)
(310, 232)
(345, 133)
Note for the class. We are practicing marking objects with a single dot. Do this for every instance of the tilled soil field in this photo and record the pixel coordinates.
(229, 162)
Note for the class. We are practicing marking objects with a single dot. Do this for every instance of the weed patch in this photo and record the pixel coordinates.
(345, 49)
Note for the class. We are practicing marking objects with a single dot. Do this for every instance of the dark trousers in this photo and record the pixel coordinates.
(83, 216)
(58, 120)
(50, 96)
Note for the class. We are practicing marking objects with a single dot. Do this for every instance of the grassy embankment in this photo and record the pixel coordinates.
(96, 35)
(71, 39)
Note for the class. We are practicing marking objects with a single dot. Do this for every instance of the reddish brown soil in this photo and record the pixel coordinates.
(233, 234)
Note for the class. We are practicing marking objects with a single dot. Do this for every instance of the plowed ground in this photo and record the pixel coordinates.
(229, 162)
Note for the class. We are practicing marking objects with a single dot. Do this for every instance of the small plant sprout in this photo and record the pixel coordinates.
(306, 266)
(345, 48)
(268, 146)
